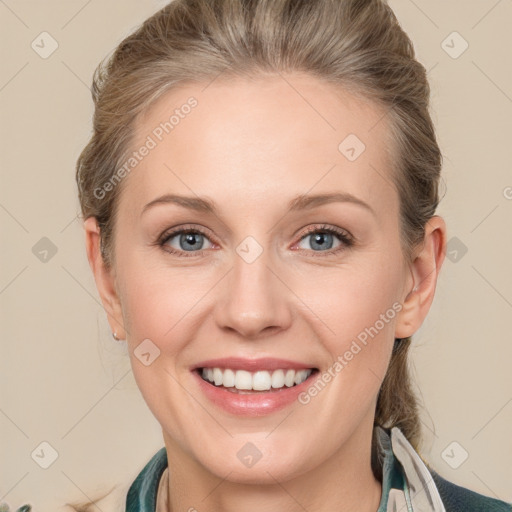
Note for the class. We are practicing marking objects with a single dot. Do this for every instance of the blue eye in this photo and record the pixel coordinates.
(323, 237)
(187, 240)
(320, 240)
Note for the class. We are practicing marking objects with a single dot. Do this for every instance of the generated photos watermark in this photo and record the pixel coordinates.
(151, 142)
(344, 359)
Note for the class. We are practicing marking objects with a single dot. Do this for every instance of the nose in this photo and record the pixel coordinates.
(254, 301)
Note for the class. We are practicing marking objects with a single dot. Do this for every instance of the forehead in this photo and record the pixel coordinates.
(260, 138)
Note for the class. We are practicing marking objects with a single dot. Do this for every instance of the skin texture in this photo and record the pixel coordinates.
(250, 147)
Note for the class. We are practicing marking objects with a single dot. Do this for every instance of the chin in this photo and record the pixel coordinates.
(266, 470)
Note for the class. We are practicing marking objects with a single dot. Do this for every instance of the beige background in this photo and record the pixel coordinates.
(65, 381)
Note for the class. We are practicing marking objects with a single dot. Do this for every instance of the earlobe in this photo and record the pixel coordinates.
(104, 278)
(425, 270)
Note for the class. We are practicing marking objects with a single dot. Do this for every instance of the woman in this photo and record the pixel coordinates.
(259, 199)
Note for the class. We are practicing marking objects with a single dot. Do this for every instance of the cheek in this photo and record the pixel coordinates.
(350, 300)
(352, 310)
(356, 310)
(157, 299)
(160, 305)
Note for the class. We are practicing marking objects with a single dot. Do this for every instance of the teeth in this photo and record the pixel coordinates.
(278, 379)
(289, 379)
(257, 381)
(261, 381)
(300, 376)
(217, 376)
(228, 378)
(243, 380)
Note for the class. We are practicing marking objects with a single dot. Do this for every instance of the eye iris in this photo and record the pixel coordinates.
(190, 238)
(319, 238)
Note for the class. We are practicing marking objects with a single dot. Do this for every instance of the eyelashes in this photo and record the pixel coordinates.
(343, 236)
(185, 236)
(182, 232)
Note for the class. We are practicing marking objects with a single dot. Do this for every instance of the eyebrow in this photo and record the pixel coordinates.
(302, 202)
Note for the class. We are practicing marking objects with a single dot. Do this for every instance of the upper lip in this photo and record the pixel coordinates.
(264, 363)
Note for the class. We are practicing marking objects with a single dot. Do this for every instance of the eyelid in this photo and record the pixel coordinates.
(328, 228)
(346, 238)
(194, 228)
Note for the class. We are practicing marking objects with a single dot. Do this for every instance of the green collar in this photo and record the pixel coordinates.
(141, 496)
(143, 491)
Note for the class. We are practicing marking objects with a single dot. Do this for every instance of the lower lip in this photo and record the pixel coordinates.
(252, 404)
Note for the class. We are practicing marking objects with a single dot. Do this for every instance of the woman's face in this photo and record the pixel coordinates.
(272, 270)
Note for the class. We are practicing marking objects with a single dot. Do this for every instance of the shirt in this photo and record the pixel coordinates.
(408, 485)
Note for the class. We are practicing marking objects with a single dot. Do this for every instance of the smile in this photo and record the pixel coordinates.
(255, 393)
(262, 380)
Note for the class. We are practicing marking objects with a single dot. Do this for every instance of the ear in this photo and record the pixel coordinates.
(425, 268)
(105, 279)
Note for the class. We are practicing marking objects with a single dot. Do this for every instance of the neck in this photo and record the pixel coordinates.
(344, 482)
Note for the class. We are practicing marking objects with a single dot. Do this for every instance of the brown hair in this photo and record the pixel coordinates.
(357, 45)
